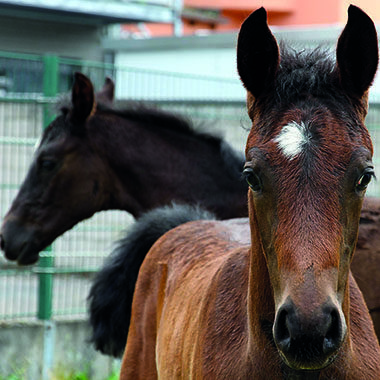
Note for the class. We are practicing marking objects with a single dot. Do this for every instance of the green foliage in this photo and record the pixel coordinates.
(71, 375)
(60, 374)
(114, 376)
(17, 375)
(80, 376)
(11, 377)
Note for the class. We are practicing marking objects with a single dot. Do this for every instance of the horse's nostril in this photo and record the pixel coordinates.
(281, 331)
(334, 332)
(308, 342)
(2, 243)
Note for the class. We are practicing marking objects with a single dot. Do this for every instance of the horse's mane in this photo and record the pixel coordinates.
(157, 118)
(160, 120)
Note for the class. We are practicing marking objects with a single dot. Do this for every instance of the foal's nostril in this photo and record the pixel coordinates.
(334, 333)
(308, 342)
(281, 330)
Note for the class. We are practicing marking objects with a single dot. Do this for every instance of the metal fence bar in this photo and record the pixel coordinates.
(46, 262)
(45, 298)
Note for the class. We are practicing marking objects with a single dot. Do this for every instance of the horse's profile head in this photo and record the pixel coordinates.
(308, 163)
(41, 210)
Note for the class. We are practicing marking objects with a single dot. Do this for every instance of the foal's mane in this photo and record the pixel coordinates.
(305, 71)
(160, 120)
(156, 118)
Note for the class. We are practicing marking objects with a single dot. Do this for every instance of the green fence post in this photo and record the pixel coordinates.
(45, 288)
(50, 85)
(46, 263)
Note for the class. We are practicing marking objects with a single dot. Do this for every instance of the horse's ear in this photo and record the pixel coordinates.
(107, 93)
(257, 53)
(357, 52)
(83, 98)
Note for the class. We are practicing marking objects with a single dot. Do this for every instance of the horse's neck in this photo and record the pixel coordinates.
(143, 177)
(113, 149)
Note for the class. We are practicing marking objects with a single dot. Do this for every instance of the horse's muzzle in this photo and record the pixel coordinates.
(308, 342)
(18, 243)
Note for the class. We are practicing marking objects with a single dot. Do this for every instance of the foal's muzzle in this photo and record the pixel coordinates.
(308, 342)
(19, 243)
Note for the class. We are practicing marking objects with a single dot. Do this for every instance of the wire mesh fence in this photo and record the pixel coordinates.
(214, 104)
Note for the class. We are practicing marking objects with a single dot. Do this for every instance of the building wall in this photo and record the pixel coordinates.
(219, 62)
(67, 40)
(211, 56)
(280, 13)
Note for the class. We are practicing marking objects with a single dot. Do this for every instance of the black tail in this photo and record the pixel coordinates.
(111, 294)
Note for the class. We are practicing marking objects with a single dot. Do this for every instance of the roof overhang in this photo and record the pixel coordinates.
(87, 11)
(203, 41)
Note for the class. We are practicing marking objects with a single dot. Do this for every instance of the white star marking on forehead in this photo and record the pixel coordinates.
(292, 139)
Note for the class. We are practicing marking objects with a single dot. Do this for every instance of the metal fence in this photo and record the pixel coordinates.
(29, 85)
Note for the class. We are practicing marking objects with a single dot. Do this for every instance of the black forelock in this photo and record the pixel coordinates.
(305, 72)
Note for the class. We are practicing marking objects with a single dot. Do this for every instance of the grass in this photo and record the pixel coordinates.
(61, 376)
(19, 374)
(83, 375)
(60, 373)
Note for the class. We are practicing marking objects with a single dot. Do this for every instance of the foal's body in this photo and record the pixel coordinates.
(111, 293)
(216, 300)
(196, 306)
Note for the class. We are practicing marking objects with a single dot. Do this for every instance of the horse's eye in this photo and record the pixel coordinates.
(364, 180)
(252, 179)
(47, 164)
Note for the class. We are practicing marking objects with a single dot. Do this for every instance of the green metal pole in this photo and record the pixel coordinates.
(50, 85)
(45, 293)
(46, 263)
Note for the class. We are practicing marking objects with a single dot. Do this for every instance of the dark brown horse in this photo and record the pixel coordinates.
(93, 158)
(273, 298)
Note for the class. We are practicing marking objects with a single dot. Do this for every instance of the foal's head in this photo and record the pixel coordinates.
(64, 182)
(308, 163)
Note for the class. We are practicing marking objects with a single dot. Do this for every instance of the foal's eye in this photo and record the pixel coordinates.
(47, 164)
(364, 180)
(252, 179)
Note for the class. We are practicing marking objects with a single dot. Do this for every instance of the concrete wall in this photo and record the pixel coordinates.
(22, 351)
(213, 54)
(65, 39)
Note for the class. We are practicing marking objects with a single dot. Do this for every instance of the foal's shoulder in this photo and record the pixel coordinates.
(201, 241)
(220, 232)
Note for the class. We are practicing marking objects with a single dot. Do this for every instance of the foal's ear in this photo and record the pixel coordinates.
(257, 53)
(357, 52)
(107, 93)
(83, 98)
